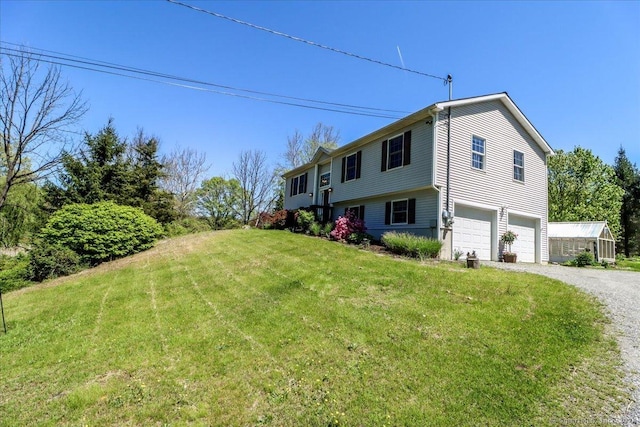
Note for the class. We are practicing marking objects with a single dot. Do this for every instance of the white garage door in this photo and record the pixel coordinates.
(472, 231)
(525, 244)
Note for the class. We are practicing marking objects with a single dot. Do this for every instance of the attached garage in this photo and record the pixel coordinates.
(525, 244)
(473, 231)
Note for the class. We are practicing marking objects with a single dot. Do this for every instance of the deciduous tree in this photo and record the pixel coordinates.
(256, 181)
(36, 108)
(583, 188)
(184, 169)
(218, 200)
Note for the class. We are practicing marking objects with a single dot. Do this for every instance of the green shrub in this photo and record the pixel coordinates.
(584, 258)
(102, 231)
(411, 245)
(48, 261)
(187, 225)
(315, 228)
(14, 272)
(327, 229)
(304, 219)
(359, 237)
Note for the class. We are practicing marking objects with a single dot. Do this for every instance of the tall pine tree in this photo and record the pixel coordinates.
(629, 180)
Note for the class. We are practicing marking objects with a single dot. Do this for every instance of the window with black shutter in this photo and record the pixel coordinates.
(400, 212)
(351, 166)
(396, 152)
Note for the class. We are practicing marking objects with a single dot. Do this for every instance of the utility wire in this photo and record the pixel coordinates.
(298, 39)
(51, 61)
(109, 65)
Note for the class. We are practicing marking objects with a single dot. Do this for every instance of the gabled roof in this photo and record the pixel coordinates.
(430, 111)
(584, 229)
(511, 106)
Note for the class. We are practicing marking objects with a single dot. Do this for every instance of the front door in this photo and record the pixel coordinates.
(326, 212)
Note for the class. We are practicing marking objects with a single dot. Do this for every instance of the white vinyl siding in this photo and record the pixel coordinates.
(300, 198)
(495, 187)
(373, 182)
(426, 213)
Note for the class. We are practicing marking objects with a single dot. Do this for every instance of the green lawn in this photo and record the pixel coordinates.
(251, 327)
(629, 263)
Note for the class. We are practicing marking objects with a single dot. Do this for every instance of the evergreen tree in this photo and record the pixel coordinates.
(629, 180)
(110, 169)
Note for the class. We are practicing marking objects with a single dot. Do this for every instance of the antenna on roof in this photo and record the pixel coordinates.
(450, 83)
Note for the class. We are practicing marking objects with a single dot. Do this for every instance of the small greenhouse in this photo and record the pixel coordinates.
(568, 239)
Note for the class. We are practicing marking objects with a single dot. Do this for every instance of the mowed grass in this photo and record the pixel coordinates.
(253, 327)
(629, 263)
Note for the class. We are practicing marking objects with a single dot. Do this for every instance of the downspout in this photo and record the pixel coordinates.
(434, 168)
(448, 164)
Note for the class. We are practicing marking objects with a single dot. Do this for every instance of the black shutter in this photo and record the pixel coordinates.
(412, 211)
(407, 148)
(387, 213)
(345, 211)
(306, 176)
(383, 164)
(291, 189)
(362, 212)
(358, 163)
(344, 162)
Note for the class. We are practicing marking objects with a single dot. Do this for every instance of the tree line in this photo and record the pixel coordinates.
(42, 171)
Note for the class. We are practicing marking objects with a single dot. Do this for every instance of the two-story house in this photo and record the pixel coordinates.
(463, 171)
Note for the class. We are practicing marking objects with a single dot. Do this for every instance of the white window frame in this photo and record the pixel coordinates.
(406, 211)
(389, 167)
(481, 154)
(328, 182)
(518, 167)
(346, 167)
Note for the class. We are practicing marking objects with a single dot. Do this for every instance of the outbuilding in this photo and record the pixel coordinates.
(568, 239)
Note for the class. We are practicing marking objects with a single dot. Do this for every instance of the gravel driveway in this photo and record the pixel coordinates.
(620, 292)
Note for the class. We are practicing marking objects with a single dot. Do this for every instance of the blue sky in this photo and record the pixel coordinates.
(572, 67)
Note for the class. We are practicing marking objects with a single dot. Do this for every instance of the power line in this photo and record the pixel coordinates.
(109, 65)
(446, 80)
(51, 61)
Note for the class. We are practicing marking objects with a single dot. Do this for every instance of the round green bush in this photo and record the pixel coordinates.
(101, 231)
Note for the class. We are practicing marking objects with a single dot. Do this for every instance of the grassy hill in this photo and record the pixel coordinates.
(252, 327)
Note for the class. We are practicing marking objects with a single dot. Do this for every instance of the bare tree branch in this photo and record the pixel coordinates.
(184, 170)
(257, 182)
(36, 107)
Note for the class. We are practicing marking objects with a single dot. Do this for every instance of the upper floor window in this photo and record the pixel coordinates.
(325, 179)
(298, 185)
(518, 166)
(477, 153)
(396, 152)
(351, 166)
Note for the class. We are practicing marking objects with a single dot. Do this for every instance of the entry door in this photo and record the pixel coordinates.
(326, 211)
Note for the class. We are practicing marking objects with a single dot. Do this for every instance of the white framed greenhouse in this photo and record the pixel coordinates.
(568, 239)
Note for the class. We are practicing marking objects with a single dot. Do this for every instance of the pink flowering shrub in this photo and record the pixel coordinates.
(347, 225)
